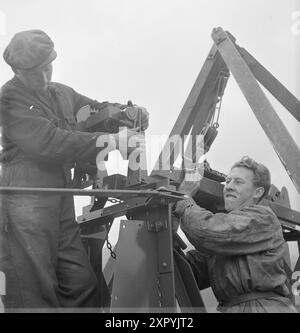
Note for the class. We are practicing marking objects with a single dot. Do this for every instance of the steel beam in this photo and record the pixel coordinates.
(166, 277)
(204, 84)
(276, 88)
(283, 143)
(135, 273)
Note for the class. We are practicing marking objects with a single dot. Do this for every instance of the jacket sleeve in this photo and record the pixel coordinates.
(81, 101)
(41, 139)
(249, 230)
(198, 263)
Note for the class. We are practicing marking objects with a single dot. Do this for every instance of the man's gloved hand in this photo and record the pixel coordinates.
(120, 106)
(134, 116)
(98, 106)
(129, 115)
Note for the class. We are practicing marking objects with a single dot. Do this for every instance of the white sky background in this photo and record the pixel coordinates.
(151, 51)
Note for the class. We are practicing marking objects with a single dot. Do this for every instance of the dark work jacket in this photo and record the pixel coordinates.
(238, 253)
(39, 135)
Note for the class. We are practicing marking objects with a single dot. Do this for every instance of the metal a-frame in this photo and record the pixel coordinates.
(144, 276)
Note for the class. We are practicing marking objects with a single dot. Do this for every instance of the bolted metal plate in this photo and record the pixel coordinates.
(135, 276)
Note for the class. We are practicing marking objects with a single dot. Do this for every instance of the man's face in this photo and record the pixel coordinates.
(37, 78)
(239, 190)
(46, 72)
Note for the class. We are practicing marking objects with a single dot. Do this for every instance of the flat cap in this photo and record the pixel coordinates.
(29, 49)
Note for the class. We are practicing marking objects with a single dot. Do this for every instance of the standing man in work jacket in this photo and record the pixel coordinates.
(240, 255)
(41, 253)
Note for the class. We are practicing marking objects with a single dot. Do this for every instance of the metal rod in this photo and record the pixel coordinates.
(81, 192)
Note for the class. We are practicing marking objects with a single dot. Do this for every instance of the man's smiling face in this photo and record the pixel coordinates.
(240, 190)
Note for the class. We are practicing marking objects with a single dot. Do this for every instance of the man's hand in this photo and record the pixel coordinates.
(135, 117)
(127, 115)
(144, 118)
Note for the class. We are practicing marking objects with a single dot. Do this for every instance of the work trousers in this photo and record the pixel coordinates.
(42, 256)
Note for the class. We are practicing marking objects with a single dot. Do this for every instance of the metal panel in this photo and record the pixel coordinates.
(135, 277)
(165, 261)
(187, 291)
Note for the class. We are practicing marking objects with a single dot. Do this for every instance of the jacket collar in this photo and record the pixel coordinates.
(53, 88)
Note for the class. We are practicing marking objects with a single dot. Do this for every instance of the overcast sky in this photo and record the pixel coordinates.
(151, 51)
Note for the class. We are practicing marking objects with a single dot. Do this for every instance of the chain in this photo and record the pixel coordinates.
(159, 291)
(223, 78)
(108, 243)
(109, 247)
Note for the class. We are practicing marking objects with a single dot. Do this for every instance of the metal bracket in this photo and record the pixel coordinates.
(218, 35)
(157, 226)
(157, 222)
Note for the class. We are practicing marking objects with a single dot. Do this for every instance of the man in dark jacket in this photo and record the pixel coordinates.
(240, 255)
(41, 253)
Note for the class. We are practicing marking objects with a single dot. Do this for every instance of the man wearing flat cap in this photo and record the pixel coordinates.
(41, 253)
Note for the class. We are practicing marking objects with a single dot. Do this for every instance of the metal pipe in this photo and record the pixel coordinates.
(93, 192)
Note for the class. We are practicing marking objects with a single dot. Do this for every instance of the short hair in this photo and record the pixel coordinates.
(262, 175)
